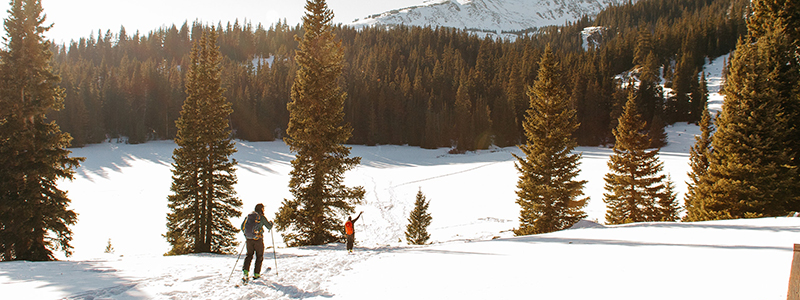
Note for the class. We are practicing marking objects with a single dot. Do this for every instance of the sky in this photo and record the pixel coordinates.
(74, 19)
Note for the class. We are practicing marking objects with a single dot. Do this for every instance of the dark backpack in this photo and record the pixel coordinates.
(252, 226)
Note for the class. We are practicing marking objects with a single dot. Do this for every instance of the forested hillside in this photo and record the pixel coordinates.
(428, 87)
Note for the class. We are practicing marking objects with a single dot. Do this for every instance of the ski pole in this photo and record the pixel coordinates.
(237, 261)
(274, 256)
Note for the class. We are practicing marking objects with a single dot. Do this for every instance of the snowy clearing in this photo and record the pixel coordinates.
(120, 193)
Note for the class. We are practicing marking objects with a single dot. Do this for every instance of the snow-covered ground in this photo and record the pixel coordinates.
(736, 259)
(120, 195)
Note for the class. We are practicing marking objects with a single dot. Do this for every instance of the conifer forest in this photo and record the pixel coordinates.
(427, 87)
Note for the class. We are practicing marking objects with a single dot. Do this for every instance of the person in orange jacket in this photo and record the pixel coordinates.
(349, 230)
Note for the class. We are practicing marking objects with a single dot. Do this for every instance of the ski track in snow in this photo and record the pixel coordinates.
(448, 174)
(302, 273)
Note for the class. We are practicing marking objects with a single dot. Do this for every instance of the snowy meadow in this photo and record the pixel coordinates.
(120, 193)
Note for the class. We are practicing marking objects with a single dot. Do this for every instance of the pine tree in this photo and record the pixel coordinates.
(698, 160)
(777, 23)
(418, 221)
(464, 121)
(109, 248)
(644, 47)
(650, 101)
(203, 199)
(668, 208)
(635, 190)
(750, 171)
(699, 99)
(483, 125)
(432, 130)
(657, 132)
(548, 193)
(679, 107)
(34, 213)
(316, 134)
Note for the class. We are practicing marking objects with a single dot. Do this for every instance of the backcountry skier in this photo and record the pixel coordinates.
(349, 230)
(252, 226)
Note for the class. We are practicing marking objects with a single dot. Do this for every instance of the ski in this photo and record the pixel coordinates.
(247, 280)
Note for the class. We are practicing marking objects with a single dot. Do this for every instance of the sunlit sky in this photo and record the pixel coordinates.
(74, 19)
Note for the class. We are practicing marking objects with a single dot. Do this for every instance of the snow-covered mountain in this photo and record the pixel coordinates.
(489, 15)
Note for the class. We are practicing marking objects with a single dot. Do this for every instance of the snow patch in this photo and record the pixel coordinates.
(590, 36)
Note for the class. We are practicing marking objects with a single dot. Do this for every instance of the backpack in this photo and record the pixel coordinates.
(348, 227)
(252, 226)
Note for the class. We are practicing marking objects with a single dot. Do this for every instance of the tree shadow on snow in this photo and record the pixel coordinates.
(104, 158)
(78, 279)
(715, 225)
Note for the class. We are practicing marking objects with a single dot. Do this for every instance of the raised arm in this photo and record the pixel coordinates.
(359, 216)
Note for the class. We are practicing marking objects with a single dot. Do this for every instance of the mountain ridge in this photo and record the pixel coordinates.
(497, 16)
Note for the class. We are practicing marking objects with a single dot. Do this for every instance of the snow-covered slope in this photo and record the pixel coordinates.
(732, 260)
(489, 15)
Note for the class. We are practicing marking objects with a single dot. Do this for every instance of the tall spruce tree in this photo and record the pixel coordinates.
(777, 22)
(316, 134)
(203, 199)
(650, 100)
(699, 98)
(548, 194)
(636, 192)
(34, 213)
(464, 125)
(750, 170)
(698, 160)
(418, 221)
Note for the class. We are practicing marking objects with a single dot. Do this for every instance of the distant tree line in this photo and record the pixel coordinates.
(421, 86)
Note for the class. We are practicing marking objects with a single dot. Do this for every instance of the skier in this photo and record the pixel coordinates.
(349, 230)
(253, 231)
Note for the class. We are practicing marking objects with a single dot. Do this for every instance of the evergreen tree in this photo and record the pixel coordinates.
(650, 101)
(316, 134)
(644, 47)
(464, 121)
(418, 221)
(698, 160)
(636, 191)
(432, 128)
(750, 170)
(548, 193)
(657, 132)
(203, 199)
(777, 23)
(483, 125)
(699, 99)
(34, 213)
(668, 206)
(679, 105)
(109, 248)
